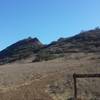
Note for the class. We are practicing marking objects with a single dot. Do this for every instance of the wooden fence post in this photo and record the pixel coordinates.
(75, 87)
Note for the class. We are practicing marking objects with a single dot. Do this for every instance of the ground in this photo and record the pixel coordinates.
(50, 80)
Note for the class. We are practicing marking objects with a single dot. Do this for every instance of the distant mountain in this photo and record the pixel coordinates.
(86, 41)
(20, 50)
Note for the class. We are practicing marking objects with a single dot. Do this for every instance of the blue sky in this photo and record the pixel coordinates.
(46, 19)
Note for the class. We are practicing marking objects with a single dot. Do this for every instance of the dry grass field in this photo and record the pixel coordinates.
(50, 80)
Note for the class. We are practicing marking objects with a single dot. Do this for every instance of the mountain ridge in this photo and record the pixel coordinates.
(90, 36)
(85, 41)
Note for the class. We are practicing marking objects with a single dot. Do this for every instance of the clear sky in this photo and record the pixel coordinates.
(46, 19)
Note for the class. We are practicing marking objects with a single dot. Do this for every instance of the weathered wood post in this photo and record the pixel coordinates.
(75, 86)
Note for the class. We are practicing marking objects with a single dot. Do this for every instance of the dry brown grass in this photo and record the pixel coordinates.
(30, 81)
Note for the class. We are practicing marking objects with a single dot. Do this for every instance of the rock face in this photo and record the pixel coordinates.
(20, 50)
(87, 41)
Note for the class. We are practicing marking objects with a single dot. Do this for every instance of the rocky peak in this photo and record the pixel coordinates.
(20, 50)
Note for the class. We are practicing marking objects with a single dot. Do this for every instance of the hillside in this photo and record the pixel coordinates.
(20, 50)
(84, 42)
(49, 78)
(88, 41)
